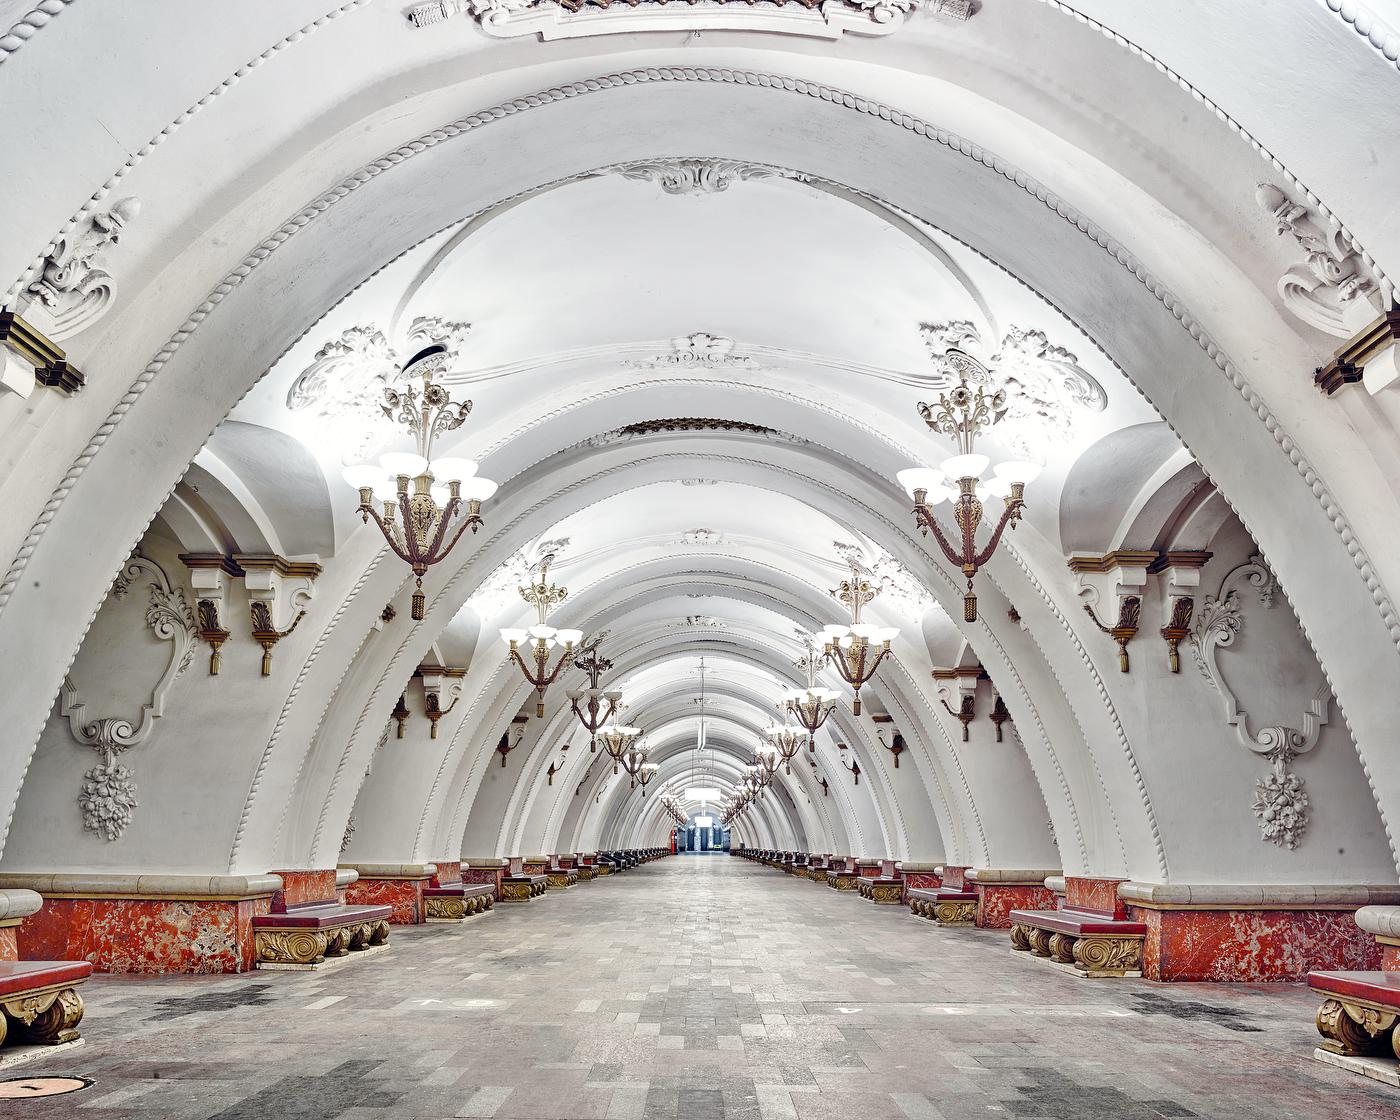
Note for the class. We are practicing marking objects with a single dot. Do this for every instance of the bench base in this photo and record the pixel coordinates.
(324, 965)
(18, 1055)
(944, 906)
(1384, 1070)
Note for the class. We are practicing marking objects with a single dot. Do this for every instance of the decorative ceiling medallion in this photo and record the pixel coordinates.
(1046, 388)
(694, 351)
(901, 587)
(701, 537)
(499, 590)
(571, 19)
(344, 385)
(699, 176)
(706, 621)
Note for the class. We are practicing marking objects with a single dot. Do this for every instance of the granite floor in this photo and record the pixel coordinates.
(696, 988)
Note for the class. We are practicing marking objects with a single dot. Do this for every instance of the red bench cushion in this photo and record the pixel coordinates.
(942, 894)
(1075, 922)
(23, 976)
(459, 890)
(323, 916)
(1377, 987)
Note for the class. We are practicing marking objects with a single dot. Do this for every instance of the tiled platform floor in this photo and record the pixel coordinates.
(696, 988)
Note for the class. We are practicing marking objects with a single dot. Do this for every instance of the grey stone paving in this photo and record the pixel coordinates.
(689, 989)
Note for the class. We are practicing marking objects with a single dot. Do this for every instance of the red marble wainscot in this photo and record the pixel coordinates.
(144, 923)
(1002, 890)
(918, 876)
(303, 886)
(953, 876)
(448, 874)
(868, 868)
(1098, 895)
(1249, 933)
(484, 869)
(398, 885)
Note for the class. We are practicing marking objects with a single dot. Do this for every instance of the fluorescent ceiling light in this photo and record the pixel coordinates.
(704, 822)
(702, 793)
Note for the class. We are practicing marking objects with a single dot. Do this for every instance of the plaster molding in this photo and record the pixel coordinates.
(700, 176)
(1331, 291)
(1369, 26)
(572, 19)
(1280, 800)
(29, 25)
(109, 788)
(700, 350)
(501, 588)
(74, 288)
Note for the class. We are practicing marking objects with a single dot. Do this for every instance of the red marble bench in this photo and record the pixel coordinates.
(886, 888)
(522, 888)
(1092, 942)
(39, 1000)
(944, 905)
(456, 902)
(305, 934)
(1359, 1012)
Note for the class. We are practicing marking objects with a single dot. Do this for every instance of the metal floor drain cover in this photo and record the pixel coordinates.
(21, 1088)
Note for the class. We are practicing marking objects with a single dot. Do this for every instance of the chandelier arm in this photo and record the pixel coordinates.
(929, 521)
(410, 538)
(453, 504)
(1009, 516)
(462, 528)
(564, 658)
(388, 531)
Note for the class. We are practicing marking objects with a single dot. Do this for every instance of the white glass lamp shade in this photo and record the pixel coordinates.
(403, 462)
(477, 489)
(514, 635)
(828, 695)
(386, 489)
(570, 637)
(886, 633)
(364, 476)
(448, 469)
(833, 633)
(921, 478)
(1018, 470)
(864, 630)
(964, 466)
(542, 631)
(998, 487)
(440, 495)
(614, 697)
(573, 694)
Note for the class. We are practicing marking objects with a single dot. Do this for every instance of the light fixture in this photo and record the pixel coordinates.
(786, 740)
(850, 648)
(645, 773)
(593, 715)
(617, 739)
(964, 414)
(812, 705)
(701, 793)
(767, 759)
(542, 595)
(424, 526)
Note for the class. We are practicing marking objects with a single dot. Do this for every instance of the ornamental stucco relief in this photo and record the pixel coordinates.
(1280, 801)
(1046, 388)
(699, 176)
(109, 788)
(74, 288)
(897, 583)
(499, 589)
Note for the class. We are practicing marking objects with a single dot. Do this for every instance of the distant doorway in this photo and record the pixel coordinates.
(702, 834)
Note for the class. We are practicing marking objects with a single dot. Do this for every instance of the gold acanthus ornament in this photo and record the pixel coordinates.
(592, 705)
(963, 415)
(541, 638)
(422, 524)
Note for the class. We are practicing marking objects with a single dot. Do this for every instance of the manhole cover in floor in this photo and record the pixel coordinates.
(17, 1088)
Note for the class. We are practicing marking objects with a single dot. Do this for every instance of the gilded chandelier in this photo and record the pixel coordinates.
(812, 705)
(617, 739)
(964, 414)
(592, 705)
(857, 650)
(786, 740)
(541, 637)
(422, 526)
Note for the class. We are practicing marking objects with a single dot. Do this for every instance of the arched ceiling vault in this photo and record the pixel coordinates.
(702, 392)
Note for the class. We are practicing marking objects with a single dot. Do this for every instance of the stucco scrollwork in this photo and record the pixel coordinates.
(698, 176)
(901, 586)
(568, 19)
(1280, 800)
(700, 350)
(1046, 388)
(74, 288)
(1333, 289)
(499, 589)
(109, 788)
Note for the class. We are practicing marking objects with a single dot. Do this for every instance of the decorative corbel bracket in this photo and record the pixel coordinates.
(1371, 357)
(276, 586)
(435, 678)
(1121, 575)
(27, 359)
(510, 738)
(211, 575)
(1182, 570)
(963, 679)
